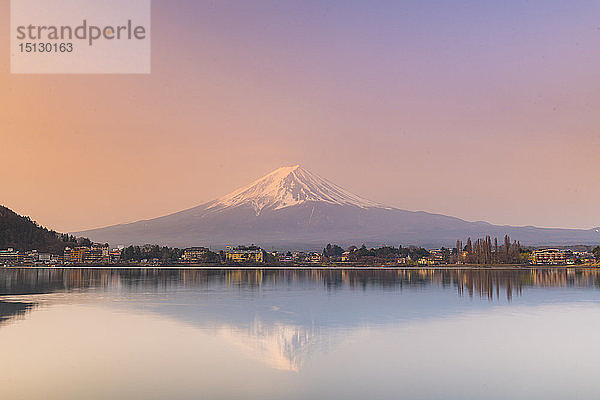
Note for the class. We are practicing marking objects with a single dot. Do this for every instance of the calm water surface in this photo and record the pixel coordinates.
(191, 334)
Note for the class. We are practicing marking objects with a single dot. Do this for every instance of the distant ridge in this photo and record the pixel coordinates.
(294, 208)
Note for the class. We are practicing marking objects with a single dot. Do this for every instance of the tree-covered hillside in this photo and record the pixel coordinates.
(21, 233)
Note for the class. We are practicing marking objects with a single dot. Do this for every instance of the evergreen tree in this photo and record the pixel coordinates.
(596, 252)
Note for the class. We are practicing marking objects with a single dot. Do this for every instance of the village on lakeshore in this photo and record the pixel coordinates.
(481, 252)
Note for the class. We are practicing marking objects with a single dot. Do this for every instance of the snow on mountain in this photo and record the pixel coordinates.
(289, 186)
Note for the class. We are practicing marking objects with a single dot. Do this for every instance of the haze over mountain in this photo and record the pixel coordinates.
(292, 207)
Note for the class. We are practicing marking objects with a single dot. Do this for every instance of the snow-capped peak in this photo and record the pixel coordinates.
(290, 186)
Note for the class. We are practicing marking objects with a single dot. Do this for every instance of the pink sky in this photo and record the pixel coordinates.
(480, 112)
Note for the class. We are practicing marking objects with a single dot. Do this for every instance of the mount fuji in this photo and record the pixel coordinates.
(293, 208)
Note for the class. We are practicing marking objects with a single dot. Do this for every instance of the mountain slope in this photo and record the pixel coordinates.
(286, 187)
(22, 234)
(294, 208)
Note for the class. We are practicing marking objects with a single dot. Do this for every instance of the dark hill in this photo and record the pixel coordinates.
(21, 233)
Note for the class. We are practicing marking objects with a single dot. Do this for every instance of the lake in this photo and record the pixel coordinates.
(293, 334)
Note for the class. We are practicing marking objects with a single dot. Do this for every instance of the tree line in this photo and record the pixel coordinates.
(163, 254)
(334, 252)
(482, 251)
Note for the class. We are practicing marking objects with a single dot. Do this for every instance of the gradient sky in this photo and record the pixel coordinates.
(484, 110)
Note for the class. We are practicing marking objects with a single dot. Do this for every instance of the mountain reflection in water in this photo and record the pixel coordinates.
(282, 317)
